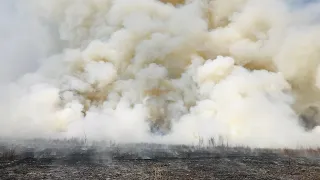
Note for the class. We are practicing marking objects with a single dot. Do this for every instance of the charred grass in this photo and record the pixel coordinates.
(75, 159)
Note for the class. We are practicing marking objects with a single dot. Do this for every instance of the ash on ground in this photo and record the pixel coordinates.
(73, 159)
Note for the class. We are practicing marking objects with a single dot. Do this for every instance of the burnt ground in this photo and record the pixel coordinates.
(74, 160)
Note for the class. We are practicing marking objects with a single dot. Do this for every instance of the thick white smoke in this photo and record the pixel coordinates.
(151, 71)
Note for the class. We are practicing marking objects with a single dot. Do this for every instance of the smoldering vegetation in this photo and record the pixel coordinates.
(80, 159)
(129, 70)
(168, 71)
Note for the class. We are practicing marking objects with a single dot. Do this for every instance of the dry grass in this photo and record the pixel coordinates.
(8, 155)
(300, 152)
(212, 146)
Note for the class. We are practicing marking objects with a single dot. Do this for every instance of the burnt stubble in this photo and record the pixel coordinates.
(43, 159)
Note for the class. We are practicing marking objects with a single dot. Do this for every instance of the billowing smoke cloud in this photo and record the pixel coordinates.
(152, 71)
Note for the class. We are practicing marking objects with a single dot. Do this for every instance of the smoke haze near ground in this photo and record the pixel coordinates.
(146, 71)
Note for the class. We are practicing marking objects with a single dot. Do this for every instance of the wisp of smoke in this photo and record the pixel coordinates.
(162, 71)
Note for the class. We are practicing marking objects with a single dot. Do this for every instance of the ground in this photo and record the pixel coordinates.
(145, 161)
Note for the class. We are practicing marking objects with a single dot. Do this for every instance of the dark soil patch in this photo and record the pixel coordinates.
(154, 162)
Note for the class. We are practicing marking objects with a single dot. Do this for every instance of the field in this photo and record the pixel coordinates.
(74, 159)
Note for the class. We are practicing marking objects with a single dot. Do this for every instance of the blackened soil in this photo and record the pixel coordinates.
(155, 162)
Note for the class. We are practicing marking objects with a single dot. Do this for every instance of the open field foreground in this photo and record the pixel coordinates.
(74, 160)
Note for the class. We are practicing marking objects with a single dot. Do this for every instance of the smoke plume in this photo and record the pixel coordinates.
(162, 71)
